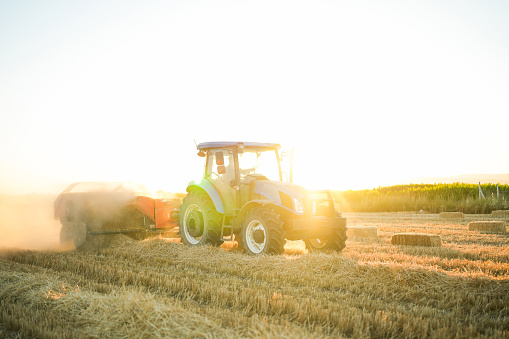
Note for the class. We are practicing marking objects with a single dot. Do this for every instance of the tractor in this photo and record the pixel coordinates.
(243, 196)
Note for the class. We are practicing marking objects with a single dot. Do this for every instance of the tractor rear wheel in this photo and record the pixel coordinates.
(200, 223)
(262, 232)
(335, 242)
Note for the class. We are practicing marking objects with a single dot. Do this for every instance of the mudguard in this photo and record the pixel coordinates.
(211, 191)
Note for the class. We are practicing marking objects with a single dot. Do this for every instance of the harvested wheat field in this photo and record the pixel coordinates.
(361, 233)
(160, 288)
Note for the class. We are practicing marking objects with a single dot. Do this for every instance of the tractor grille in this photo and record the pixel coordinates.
(286, 200)
(318, 203)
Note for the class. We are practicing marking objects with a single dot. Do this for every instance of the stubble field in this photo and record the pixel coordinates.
(118, 287)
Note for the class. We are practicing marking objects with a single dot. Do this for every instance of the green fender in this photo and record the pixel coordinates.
(205, 185)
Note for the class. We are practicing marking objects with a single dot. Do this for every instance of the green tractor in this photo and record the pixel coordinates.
(243, 197)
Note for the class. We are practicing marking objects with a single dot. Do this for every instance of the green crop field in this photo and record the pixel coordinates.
(434, 198)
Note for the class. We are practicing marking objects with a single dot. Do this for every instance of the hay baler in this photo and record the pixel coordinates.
(100, 208)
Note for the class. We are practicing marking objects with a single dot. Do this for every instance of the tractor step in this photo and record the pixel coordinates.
(227, 238)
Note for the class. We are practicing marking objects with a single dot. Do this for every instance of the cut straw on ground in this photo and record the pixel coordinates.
(122, 288)
(362, 233)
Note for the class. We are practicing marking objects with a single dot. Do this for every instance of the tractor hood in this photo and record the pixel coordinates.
(286, 195)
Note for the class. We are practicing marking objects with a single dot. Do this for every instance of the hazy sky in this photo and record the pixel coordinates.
(369, 92)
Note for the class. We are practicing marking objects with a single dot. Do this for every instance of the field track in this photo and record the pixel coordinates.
(117, 287)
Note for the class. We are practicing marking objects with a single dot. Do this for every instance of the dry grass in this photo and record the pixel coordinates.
(159, 288)
(487, 226)
(451, 215)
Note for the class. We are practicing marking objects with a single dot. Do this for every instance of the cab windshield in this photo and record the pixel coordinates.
(255, 162)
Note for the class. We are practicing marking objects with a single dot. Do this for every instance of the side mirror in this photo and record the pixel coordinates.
(221, 169)
(219, 159)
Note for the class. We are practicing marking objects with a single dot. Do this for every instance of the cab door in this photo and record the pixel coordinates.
(221, 174)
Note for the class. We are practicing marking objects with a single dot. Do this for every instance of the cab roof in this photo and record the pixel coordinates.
(258, 145)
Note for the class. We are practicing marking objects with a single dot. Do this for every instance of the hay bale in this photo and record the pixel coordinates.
(487, 226)
(500, 213)
(361, 232)
(451, 215)
(416, 239)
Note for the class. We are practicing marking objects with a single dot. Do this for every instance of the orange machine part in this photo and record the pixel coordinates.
(159, 210)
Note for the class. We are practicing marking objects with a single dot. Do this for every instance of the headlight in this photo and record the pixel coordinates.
(298, 206)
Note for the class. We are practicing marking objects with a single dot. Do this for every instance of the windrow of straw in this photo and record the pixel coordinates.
(416, 239)
(361, 232)
(487, 226)
(451, 215)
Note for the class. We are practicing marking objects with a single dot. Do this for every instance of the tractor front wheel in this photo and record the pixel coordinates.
(199, 223)
(262, 232)
(335, 242)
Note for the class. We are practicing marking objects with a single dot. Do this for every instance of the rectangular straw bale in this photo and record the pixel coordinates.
(416, 239)
(487, 226)
(500, 213)
(451, 215)
(361, 232)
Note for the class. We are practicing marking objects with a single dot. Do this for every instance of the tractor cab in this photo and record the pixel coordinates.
(232, 168)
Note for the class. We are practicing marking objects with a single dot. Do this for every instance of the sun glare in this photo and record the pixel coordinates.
(358, 89)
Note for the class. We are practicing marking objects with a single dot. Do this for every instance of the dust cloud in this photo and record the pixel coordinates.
(26, 222)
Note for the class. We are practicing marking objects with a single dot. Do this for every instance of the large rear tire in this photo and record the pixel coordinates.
(200, 223)
(262, 232)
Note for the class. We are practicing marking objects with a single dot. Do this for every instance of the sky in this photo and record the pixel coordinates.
(368, 93)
